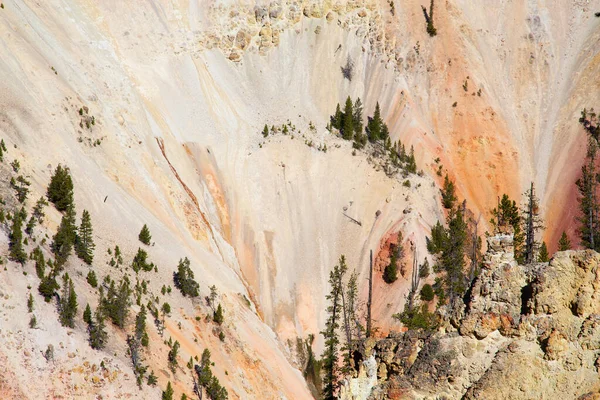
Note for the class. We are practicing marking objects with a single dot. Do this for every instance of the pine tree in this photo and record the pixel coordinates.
(330, 353)
(21, 187)
(336, 119)
(67, 305)
(117, 302)
(564, 243)
(184, 279)
(140, 262)
(218, 315)
(411, 163)
(374, 125)
(16, 250)
(348, 120)
(265, 131)
(167, 394)
(87, 315)
(145, 236)
(60, 190)
(30, 303)
(84, 245)
(172, 356)
(63, 241)
(97, 331)
(140, 327)
(91, 279)
(543, 255)
(357, 118)
(448, 193)
(48, 286)
(390, 273)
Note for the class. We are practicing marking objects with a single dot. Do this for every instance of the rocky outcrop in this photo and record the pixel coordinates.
(497, 297)
(527, 332)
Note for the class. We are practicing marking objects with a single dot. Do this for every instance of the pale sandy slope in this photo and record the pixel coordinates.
(267, 222)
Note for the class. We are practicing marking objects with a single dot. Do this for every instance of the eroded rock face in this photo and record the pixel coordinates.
(497, 296)
(527, 332)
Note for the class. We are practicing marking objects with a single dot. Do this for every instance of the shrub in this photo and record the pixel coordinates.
(427, 292)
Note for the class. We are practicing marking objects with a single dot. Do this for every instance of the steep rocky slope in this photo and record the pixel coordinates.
(180, 92)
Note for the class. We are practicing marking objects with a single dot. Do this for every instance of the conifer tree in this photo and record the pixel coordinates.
(265, 131)
(15, 244)
(40, 261)
(91, 279)
(390, 273)
(218, 315)
(184, 279)
(374, 125)
(172, 356)
(140, 327)
(21, 187)
(64, 239)
(330, 353)
(30, 303)
(97, 331)
(564, 243)
(48, 286)
(140, 262)
(117, 302)
(84, 245)
(87, 315)
(145, 236)
(167, 394)
(67, 305)
(336, 119)
(411, 163)
(348, 124)
(60, 189)
(357, 118)
(543, 255)
(448, 193)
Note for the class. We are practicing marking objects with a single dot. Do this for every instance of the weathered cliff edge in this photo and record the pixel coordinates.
(526, 332)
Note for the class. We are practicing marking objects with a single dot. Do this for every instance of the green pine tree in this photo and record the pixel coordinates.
(357, 118)
(543, 255)
(348, 120)
(564, 243)
(97, 331)
(87, 315)
(145, 236)
(218, 315)
(167, 394)
(265, 131)
(63, 241)
(48, 286)
(16, 250)
(67, 305)
(374, 125)
(60, 189)
(84, 245)
(184, 279)
(390, 273)
(448, 194)
(91, 279)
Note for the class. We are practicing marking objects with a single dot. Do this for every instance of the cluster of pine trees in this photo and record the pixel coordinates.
(349, 123)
